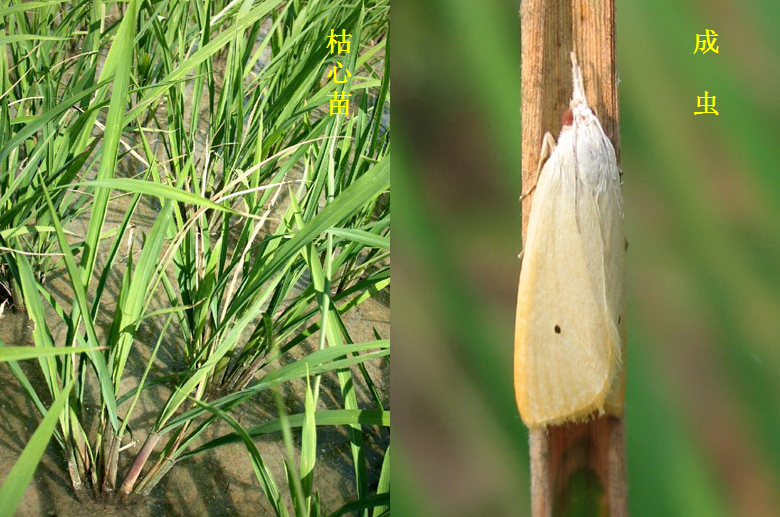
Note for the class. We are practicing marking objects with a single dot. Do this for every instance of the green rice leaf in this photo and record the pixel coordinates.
(370, 501)
(262, 471)
(22, 472)
(19, 353)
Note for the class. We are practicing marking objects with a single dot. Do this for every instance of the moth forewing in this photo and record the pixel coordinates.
(568, 346)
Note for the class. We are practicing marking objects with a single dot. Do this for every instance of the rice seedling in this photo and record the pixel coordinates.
(269, 221)
(20, 475)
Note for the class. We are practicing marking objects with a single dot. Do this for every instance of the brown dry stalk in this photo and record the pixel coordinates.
(138, 464)
(586, 457)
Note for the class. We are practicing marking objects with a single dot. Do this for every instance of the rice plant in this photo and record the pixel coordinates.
(175, 163)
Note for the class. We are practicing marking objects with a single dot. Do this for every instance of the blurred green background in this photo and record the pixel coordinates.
(702, 197)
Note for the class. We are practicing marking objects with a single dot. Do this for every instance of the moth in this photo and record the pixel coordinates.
(569, 327)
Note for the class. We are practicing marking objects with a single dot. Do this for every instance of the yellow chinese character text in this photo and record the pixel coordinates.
(333, 72)
(706, 102)
(339, 104)
(339, 41)
(706, 42)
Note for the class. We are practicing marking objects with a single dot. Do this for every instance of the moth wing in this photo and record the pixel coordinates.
(565, 341)
(609, 202)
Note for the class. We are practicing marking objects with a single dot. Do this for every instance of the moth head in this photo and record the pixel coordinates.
(577, 113)
(567, 119)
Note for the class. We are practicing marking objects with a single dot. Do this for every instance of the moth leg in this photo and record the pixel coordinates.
(520, 255)
(548, 146)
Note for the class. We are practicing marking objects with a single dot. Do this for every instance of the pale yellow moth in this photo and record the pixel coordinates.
(569, 341)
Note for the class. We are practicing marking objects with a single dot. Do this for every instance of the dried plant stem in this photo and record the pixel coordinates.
(164, 463)
(138, 464)
(587, 459)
